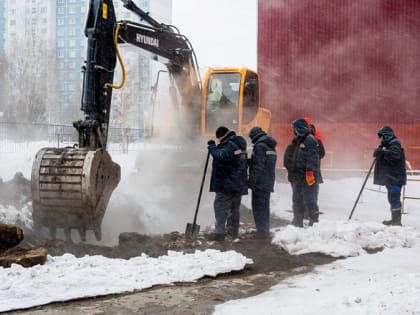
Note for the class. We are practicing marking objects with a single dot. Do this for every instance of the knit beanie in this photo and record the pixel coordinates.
(221, 132)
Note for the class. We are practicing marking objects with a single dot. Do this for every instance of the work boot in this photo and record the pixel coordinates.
(216, 237)
(297, 216)
(313, 216)
(395, 218)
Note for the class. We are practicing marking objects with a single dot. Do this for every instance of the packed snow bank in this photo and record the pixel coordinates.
(386, 283)
(344, 238)
(66, 277)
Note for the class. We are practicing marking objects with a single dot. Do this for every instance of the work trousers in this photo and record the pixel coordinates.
(394, 197)
(304, 197)
(226, 212)
(261, 211)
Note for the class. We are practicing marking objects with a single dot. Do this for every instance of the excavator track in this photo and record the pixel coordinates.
(71, 189)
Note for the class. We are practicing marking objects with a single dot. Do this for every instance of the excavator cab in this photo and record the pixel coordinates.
(231, 98)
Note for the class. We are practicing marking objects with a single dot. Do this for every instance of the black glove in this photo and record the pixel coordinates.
(378, 152)
(211, 142)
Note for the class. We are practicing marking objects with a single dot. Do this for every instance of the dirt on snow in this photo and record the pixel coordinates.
(271, 265)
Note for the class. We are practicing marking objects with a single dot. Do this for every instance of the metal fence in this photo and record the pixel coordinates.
(14, 137)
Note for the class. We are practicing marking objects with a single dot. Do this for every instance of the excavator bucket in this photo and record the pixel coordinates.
(71, 189)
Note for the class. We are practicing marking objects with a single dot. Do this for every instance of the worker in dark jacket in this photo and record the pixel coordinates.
(262, 172)
(390, 171)
(301, 160)
(321, 151)
(228, 181)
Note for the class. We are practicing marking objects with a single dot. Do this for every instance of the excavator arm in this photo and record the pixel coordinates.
(166, 42)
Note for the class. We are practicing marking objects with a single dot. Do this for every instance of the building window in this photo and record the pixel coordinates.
(72, 54)
(60, 53)
(72, 42)
(72, 31)
(72, 10)
(72, 65)
(60, 1)
(60, 32)
(12, 22)
(60, 43)
(60, 10)
(44, 21)
(72, 21)
(44, 10)
(60, 65)
(12, 11)
(60, 21)
(34, 10)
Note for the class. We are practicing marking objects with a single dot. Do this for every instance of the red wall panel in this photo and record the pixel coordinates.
(351, 65)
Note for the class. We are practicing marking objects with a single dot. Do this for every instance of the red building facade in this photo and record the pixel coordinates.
(353, 66)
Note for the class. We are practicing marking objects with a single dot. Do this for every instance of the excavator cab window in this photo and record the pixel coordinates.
(250, 102)
(222, 101)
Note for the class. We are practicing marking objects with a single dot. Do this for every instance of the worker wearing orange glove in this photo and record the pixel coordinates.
(301, 160)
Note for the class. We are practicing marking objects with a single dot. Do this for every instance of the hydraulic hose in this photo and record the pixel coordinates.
(119, 86)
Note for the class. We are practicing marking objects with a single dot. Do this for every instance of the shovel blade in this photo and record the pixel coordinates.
(191, 231)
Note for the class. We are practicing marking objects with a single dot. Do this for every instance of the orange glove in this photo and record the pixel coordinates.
(310, 178)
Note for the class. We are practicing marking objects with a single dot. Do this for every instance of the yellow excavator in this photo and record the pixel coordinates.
(71, 187)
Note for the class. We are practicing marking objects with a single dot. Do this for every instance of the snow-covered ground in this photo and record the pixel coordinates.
(387, 282)
(66, 277)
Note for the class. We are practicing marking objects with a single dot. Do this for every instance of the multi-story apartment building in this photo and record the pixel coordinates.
(130, 103)
(70, 51)
(58, 26)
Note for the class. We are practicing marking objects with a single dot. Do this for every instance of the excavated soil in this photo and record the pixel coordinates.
(271, 265)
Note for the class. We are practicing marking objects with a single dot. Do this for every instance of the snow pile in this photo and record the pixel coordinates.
(386, 283)
(344, 238)
(67, 277)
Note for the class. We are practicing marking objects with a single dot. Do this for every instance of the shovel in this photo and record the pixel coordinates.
(192, 229)
(363, 187)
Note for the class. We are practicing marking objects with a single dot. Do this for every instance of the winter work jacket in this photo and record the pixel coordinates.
(390, 163)
(262, 165)
(229, 167)
(302, 155)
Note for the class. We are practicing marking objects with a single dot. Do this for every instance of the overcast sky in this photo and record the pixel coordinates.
(223, 32)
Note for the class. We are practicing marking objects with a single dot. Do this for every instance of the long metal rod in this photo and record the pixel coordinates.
(363, 187)
(201, 188)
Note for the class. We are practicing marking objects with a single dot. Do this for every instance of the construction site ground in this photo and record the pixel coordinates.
(271, 265)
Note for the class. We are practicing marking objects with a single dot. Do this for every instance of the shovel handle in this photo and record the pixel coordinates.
(201, 187)
(363, 187)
